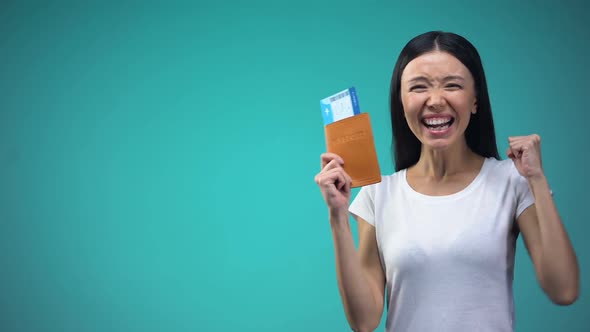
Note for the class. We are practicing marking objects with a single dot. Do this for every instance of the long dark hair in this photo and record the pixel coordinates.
(480, 134)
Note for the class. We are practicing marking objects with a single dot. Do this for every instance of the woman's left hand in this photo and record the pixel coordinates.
(525, 152)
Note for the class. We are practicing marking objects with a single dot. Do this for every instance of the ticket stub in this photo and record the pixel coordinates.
(339, 106)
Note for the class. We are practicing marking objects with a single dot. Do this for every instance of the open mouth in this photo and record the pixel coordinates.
(438, 123)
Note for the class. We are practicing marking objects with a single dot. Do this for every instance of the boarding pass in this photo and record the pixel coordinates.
(339, 106)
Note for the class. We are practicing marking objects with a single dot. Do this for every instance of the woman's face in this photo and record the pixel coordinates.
(438, 95)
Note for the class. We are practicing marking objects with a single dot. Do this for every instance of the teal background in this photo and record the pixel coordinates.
(157, 159)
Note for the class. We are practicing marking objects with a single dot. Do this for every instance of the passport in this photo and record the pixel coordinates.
(348, 133)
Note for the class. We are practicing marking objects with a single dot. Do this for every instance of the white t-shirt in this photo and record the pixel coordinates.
(448, 260)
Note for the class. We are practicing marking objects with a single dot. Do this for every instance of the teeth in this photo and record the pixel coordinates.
(436, 121)
(440, 128)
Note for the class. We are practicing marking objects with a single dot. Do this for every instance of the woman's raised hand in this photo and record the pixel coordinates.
(334, 183)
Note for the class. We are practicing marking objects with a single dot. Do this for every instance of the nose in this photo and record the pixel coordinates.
(435, 99)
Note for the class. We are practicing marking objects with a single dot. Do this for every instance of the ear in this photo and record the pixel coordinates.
(474, 109)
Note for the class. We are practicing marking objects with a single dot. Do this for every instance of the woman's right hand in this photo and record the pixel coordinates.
(334, 183)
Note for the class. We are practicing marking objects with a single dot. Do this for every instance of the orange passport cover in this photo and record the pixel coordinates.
(352, 139)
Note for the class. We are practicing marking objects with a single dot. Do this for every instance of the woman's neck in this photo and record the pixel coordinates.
(439, 164)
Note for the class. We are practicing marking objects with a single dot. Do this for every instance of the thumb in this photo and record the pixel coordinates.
(510, 154)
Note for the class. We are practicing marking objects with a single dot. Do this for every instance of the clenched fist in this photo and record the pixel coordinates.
(525, 152)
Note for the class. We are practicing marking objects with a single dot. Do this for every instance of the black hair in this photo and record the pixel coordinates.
(480, 134)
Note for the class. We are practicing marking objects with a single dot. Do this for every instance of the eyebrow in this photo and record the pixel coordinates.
(447, 78)
(453, 77)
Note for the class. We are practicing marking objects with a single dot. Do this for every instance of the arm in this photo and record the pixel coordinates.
(549, 246)
(545, 236)
(361, 280)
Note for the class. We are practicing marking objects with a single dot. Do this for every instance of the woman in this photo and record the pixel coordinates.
(441, 231)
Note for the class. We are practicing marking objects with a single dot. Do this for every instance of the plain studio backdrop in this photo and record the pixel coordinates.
(157, 159)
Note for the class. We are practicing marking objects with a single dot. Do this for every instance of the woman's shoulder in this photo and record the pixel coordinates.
(503, 172)
(501, 166)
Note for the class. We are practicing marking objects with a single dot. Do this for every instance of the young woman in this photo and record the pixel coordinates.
(437, 238)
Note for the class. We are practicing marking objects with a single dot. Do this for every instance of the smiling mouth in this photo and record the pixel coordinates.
(438, 124)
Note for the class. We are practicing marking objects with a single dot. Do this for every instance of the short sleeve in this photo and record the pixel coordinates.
(363, 205)
(524, 196)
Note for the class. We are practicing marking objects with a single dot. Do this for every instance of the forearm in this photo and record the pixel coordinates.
(559, 267)
(359, 302)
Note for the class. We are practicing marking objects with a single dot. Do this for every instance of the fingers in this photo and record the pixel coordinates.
(515, 150)
(510, 154)
(534, 137)
(334, 176)
(344, 181)
(332, 173)
(348, 183)
(518, 144)
(328, 157)
(524, 140)
(337, 178)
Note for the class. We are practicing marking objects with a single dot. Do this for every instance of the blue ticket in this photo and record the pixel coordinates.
(339, 106)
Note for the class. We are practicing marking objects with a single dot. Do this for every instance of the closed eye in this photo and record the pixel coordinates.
(418, 87)
(453, 86)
